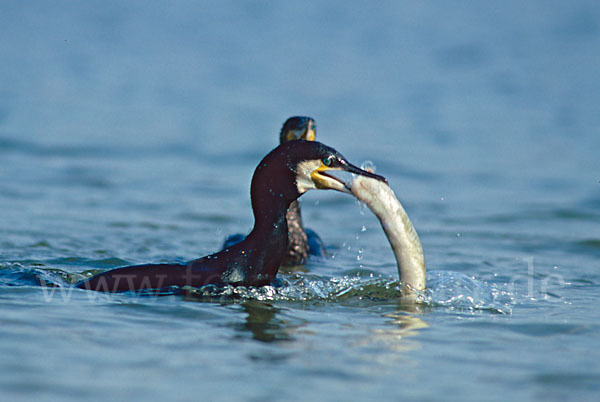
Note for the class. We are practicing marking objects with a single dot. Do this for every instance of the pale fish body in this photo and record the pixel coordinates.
(401, 234)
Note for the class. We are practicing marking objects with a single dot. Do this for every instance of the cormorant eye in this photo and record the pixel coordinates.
(328, 160)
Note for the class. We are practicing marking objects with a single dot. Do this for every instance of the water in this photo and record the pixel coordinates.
(129, 133)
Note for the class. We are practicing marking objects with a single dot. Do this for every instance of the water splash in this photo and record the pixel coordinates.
(461, 292)
(369, 166)
(446, 289)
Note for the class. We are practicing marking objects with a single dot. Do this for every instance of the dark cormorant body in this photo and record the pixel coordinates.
(281, 177)
(301, 242)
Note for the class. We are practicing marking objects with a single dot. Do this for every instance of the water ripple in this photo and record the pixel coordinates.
(451, 290)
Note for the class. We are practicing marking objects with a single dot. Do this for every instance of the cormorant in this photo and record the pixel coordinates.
(301, 242)
(281, 177)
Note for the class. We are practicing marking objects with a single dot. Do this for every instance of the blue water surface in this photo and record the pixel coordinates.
(129, 132)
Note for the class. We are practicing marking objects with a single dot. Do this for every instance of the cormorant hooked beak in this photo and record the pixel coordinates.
(323, 180)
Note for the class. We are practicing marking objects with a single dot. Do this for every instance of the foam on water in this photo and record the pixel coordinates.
(446, 289)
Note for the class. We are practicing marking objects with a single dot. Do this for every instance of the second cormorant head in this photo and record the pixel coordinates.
(298, 128)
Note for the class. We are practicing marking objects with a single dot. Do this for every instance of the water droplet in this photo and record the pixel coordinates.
(362, 206)
(368, 166)
(363, 228)
(441, 198)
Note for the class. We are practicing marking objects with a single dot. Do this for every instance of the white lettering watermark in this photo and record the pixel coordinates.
(545, 291)
(543, 288)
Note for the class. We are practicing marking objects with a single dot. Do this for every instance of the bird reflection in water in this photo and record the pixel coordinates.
(399, 335)
(264, 324)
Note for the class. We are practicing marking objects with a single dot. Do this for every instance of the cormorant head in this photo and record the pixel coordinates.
(298, 128)
(295, 167)
(316, 161)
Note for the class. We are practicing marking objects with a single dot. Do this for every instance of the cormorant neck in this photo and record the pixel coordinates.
(269, 213)
(297, 248)
(266, 245)
(272, 190)
(294, 214)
